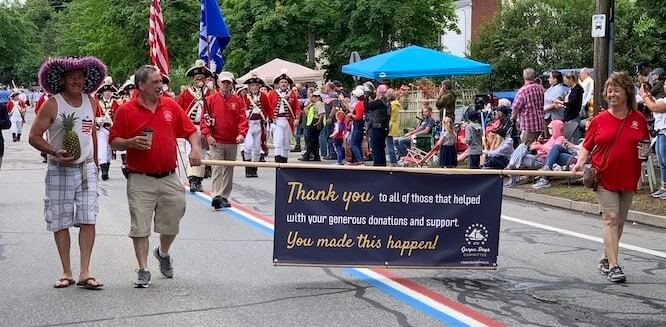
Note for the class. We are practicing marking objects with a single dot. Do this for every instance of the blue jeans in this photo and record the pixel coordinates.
(558, 155)
(331, 147)
(299, 134)
(499, 162)
(390, 149)
(402, 144)
(660, 149)
(339, 151)
(323, 141)
(357, 140)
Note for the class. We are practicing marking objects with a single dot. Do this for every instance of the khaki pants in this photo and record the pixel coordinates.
(528, 137)
(223, 176)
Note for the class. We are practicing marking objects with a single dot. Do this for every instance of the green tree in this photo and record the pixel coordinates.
(552, 34)
(15, 43)
(373, 27)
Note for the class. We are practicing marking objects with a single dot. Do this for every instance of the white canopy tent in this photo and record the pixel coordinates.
(273, 68)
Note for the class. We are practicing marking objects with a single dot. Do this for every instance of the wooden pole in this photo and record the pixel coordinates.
(601, 46)
(441, 171)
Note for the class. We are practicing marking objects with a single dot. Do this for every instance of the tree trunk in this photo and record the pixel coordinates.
(311, 48)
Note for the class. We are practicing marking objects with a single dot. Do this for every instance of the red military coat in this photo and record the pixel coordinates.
(295, 111)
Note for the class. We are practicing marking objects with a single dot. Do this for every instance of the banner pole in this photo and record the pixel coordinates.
(443, 171)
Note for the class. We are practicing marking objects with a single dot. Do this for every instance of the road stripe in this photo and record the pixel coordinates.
(583, 236)
(436, 305)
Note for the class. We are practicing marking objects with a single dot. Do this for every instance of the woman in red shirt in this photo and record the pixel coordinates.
(612, 140)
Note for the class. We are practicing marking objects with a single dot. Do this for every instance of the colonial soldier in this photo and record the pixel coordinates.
(104, 121)
(193, 101)
(126, 90)
(166, 89)
(17, 109)
(285, 112)
(257, 110)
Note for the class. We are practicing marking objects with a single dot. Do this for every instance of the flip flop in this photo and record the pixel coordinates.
(87, 285)
(62, 281)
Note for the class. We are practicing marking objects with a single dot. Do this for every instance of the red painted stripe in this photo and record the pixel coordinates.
(438, 298)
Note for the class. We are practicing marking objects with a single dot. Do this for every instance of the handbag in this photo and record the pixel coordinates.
(591, 174)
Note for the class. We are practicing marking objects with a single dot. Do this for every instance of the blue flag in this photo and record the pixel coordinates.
(213, 35)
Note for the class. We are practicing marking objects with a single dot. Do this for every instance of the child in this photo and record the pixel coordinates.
(500, 152)
(447, 141)
(338, 135)
(473, 132)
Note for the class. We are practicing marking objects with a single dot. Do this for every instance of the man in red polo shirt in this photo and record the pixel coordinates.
(224, 127)
(147, 127)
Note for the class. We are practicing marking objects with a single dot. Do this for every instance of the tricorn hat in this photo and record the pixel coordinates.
(52, 72)
(199, 68)
(165, 79)
(254, 78)
(283, 75)
(107, 86)
(128, 85)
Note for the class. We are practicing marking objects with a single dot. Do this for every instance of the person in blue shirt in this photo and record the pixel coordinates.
(423, 128)
(4, 94)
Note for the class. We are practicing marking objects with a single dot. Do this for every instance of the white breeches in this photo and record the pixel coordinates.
(103, 146)
(194, 171)
(17, 125)
(281, 137)
(252, 145)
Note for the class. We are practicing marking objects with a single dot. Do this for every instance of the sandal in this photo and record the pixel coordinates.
(86, 283)
(64, 282)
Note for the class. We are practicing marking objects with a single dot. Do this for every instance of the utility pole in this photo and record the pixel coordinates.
(602, 32)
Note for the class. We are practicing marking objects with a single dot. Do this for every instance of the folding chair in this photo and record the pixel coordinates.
(418, 158)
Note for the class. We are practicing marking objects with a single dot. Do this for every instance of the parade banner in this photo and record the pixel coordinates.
(328, 217)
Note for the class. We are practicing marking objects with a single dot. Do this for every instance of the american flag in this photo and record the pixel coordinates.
(158, 51)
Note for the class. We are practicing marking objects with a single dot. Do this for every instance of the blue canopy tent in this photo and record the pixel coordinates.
(415, 61)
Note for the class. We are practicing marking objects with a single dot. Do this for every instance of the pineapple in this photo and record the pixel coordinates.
(70, 141)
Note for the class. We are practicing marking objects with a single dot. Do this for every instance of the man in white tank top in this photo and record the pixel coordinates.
(71, 198)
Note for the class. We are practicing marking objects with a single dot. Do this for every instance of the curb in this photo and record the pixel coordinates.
(583, 207)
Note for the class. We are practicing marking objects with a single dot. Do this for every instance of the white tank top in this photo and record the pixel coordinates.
(83, 126)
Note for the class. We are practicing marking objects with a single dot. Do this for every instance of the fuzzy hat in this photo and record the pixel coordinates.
(283, 75)
(199, 68)
(53, 71)
(254, 78)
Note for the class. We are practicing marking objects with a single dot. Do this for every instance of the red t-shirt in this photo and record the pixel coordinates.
(168, 122)
(359, 109)
(621, 168)
(227, 117)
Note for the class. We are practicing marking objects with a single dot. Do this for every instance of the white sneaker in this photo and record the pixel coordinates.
(660, 193)
(542, 183)
(557, 167)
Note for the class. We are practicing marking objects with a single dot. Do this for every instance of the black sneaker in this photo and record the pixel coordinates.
(225, 203)
(216, 202)
(143, 278)
(603, 267)
(616, 275)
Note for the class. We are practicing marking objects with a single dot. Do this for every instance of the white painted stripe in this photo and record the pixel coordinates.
(584, 236)
(240, 212)
(420, 297)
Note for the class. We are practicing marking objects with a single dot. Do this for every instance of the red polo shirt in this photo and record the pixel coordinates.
(227, 115)
(617, 160)
(168, 122)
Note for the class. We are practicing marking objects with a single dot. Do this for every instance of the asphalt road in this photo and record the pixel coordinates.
(224, 275)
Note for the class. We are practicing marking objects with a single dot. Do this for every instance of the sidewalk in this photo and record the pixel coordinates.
(583, 207)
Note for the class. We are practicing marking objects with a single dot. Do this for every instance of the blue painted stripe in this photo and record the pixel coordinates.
(405, 298)
(441, 316)
(235, 214)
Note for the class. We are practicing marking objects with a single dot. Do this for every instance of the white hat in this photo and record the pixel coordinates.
(225, 76)
(358, 91)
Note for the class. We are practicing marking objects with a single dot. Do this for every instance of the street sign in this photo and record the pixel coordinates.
(599, 25)
(355, 57)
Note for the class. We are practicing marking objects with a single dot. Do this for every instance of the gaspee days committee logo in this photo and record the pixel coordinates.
(476, 236)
